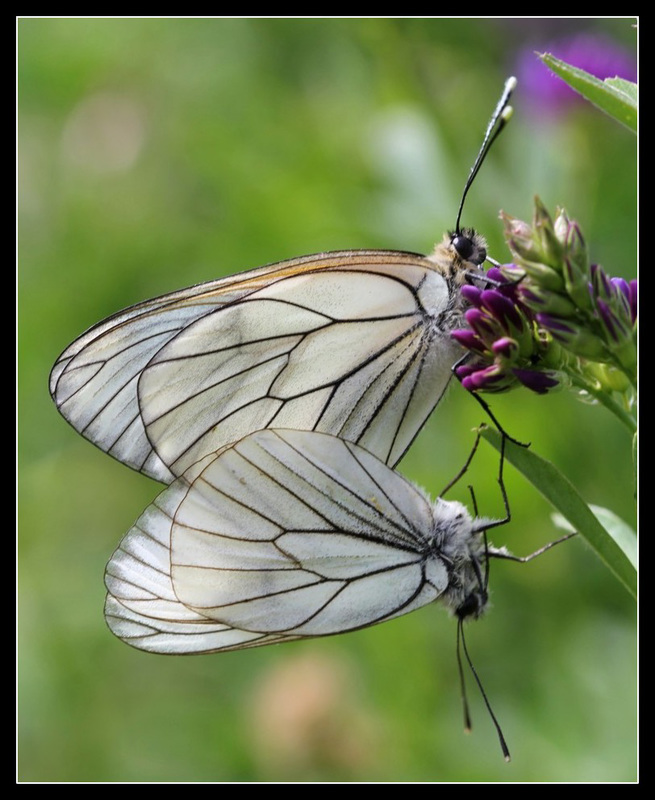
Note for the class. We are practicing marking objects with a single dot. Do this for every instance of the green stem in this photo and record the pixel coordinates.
(609, 402)
(630, 372)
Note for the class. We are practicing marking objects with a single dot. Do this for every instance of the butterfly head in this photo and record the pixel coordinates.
(468, 591)
(473, 604)
(469, 246)
(460, 255)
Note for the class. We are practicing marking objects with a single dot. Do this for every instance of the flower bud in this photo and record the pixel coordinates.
(574, 337)
(502, 339)
(575, 261)
(469, 339)
(577, 285)
(537, 381)
(601, 285)
(609, 378)
(614, 326)
(506, 348)
(527, 246)
(541, 300)
(552, 252)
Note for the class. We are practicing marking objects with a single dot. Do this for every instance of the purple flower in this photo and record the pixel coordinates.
(505, 347)
(502, 308)
(536, 380)
(501, 340)
(615, 304)
(629, 291)
(632, 297)
(484, 379)
(555, 315)
(556, 326)
(469, 339)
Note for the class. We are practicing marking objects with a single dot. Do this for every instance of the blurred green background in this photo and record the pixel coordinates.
(158, 153)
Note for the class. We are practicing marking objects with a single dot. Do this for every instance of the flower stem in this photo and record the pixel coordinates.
(609, 402)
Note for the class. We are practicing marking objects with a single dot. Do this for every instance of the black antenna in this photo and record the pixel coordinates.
(467, 719)
(468, 609)
(482, 577)
(498, 120)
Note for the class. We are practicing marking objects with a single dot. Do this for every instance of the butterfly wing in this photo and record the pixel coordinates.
(353, 343)
(284, 535)
(142, 608)
(94, 381)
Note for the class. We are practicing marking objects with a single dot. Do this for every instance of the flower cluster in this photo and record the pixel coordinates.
(550, 318)
(504, 340)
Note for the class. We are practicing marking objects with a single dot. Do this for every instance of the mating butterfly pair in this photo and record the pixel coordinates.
(275, 404)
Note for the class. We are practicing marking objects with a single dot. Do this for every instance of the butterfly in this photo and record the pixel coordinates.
(354, 343)
(294, 534)
(289, 534)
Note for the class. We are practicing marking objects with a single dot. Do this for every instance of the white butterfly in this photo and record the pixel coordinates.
(286, 535)
(354, 343)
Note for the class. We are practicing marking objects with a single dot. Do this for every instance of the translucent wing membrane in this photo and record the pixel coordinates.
(286, 534)
(353, 343)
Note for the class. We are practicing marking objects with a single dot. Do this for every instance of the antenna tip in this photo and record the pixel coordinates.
(510, 83)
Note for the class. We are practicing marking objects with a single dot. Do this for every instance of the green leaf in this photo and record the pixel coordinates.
(618, 529)
(563, 496)
(628, 88)
(615, 96)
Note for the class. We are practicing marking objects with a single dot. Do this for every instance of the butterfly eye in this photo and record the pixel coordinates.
(468, 247)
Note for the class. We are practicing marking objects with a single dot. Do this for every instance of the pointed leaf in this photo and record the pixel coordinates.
(615, 96)
(564, 497)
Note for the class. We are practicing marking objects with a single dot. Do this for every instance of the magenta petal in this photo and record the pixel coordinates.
(494, 274)
(502, 308)
(539, 382)
(505, 347)
(464, 370)
(480, 323)
(554, 324)
(633, 300)
(467, 338)
(471, 294)
(483, 379)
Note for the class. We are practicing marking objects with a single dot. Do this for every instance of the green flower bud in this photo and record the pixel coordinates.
(541, 300)
(552, 252)
(609, 378)
(527, 247)
(571, 335)
(577, 285)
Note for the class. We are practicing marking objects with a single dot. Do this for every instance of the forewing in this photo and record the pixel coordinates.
(286, 534)
(351, 350)
(348, 343)
(94, 381)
